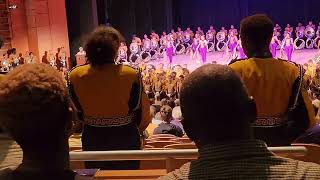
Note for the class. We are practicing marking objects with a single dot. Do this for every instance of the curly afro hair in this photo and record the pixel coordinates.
(102, 45)
(34, 103)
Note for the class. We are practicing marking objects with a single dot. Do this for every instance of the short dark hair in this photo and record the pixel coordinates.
(256, 31)
(102, 45)
(214, 100)
(34, 103)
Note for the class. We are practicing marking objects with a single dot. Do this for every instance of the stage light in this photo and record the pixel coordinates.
(13, 6)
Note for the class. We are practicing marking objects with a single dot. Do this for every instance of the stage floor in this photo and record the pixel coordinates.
(299, 56)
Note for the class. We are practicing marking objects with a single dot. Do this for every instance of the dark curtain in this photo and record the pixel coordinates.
(226, 12)
(141, 16)
(138, 16)
(80, 22)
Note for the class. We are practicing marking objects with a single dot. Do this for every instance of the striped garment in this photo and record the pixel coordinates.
(244, 160)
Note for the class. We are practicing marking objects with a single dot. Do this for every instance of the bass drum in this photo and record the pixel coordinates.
(153, 54)
(316, 42)
(299, 43)
(145, 56)
(180, 49)
(134, 58)
(210, 47)
(162, 50)
(300, 33)
(221, 46)
(309, 32)
(221, 36)
(309, 43)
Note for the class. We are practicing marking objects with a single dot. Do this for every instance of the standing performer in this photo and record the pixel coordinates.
(203, 48)
(311, 25)
(189, 33)
(52, 59)
(169, 49)
(234, 30)
(288, 46)
(154, 35)
(232, 44)
(180, 35)
(288, 29)
(223, 29)
(146, 43)
(154, 43)
(241, 54)
(273, 44)
(63, 59)
(173, 36)
(30, 58)
(199, 31)
(300, 26)
(122, 53)
(194, 46)
(210, 35)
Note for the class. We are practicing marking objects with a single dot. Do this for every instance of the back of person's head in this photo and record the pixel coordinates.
(102, 45)
(34, 104)
(166, 113)
(215, 105)
(256, 33)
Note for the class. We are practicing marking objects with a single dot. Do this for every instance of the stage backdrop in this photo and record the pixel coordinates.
(142, 16)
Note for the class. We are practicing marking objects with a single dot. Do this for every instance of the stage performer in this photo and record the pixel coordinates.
(241, 54)
(223, 29)
(232, 44)
(122, 53)
(180, 35)
(211, 34)
(189, 33)
(154, 35)
(273, 44)
(173, 36)
(311, 25)
(194, 46)
(199, 31)
(154, 43)
(163, 39)
(30, 58)
(288, 29)
(234, 30)
(63, 59)
(146, 43)
(288, 46)
(52, 59)
(169, 49)
(203, 48)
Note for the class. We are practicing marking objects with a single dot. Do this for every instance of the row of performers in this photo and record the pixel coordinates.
(179, 42)
(309, 31)
(11, 60)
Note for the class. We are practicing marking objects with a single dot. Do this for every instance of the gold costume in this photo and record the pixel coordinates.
(270, 82)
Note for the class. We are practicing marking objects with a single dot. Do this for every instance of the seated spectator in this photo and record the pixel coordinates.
(168, 125)
(34, 111)
(217, 114)
(274, 85)
(312, 136)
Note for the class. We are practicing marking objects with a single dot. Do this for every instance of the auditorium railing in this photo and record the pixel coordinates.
(168, 155)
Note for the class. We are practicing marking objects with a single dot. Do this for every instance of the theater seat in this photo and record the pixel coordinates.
(181, 146)
(160, 144)
(313, 153)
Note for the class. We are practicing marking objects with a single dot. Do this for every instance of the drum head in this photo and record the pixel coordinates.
(221, 46)
(145, 55)
(134, 58)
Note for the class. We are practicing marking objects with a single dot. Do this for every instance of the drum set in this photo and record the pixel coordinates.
(307, 38)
